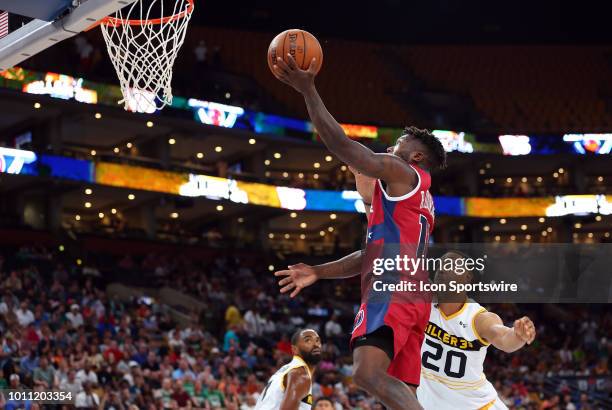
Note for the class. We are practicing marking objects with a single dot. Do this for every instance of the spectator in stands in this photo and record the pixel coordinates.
(23, 313)
(87, 399)
(230, 339)
(254, 322)
(29, 363)
(332, 328)
(44, 375)
(180, 396)
(323, 403)
(71, 384)
(87, 375)
(74, 316)
(233, 316)
(15, 382)
(182, 371)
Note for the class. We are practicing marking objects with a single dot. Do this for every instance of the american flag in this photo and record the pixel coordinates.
(4, 24)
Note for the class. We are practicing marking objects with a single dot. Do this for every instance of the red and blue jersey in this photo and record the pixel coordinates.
(397, 227)
(406, 219)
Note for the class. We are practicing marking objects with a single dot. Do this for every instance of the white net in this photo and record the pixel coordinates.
(143, 41)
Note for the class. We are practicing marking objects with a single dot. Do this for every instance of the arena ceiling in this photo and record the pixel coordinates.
(419, 22)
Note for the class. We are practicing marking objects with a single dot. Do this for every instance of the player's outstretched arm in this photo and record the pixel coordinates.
(384, 166)
(297, 387)
(490, 327)
(300, 276)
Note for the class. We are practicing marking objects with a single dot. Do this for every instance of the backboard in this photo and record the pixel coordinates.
(53, 21)
(47, 10)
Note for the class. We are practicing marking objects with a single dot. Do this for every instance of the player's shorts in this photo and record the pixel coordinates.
(398, 329)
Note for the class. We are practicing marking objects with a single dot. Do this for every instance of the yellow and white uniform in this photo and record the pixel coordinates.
(272, 396)
(452, 356)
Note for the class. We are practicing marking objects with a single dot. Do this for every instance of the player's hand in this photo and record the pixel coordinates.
(524, 329)
(296, 278)
(291, 74)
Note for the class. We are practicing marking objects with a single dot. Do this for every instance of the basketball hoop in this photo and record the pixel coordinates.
(143, 42)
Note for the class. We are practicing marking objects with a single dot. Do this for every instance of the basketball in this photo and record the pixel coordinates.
(302, 45)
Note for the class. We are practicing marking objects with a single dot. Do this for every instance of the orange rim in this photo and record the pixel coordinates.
(115, 22)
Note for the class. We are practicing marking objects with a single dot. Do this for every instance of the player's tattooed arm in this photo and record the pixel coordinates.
(387, 167)
(345, 267)
(300, 276)
(297, 387)
(490, 327)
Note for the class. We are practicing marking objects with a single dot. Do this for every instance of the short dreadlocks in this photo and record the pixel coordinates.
(437, 155)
